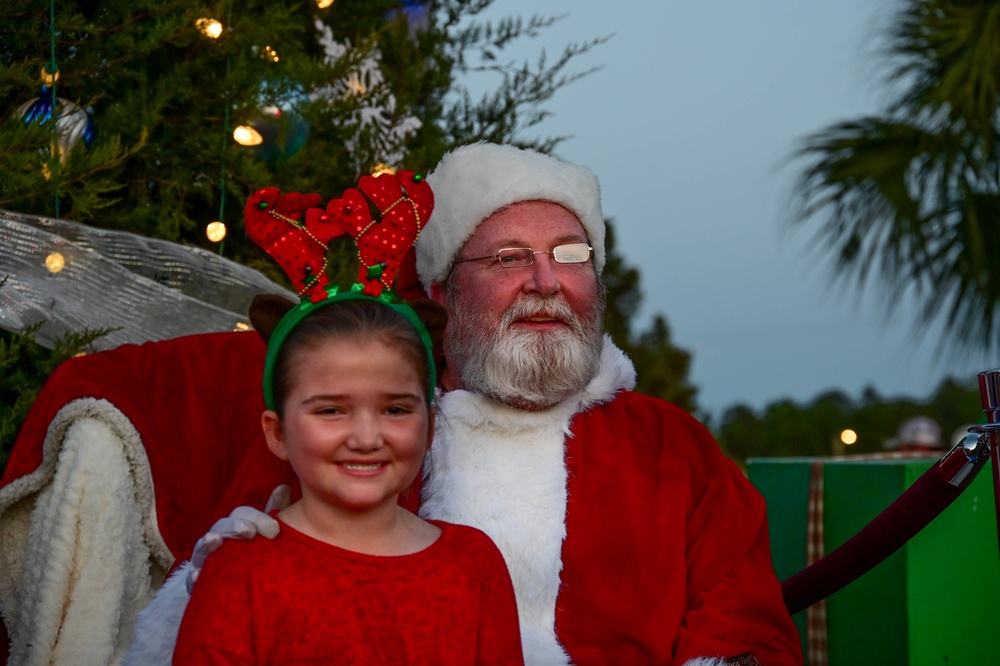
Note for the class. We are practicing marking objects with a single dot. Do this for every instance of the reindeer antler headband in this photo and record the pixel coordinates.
(385, 215)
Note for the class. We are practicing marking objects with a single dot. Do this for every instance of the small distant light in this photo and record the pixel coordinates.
(849, 437)
(247, 136)
(46, 171)
(380, 169)
(55, 262)
(323, 4)
(240, 326)
(269, 54)
(215, 231)
(209, 27)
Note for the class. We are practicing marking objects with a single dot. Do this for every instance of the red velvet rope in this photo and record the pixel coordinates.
(885, 534)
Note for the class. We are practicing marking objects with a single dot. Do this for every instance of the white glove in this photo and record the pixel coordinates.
(244, 522)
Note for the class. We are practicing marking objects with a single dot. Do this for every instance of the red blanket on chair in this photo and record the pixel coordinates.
(196, 403)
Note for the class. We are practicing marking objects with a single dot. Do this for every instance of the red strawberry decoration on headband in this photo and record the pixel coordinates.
(404, 203)
(273, 221)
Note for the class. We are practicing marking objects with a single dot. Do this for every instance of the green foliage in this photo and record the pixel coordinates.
(517, 103)
(785, 428)
(24, 365)
(164, 99)
(910, 198)
(662, 369)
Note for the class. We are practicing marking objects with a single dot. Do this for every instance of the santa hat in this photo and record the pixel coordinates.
(475, 181)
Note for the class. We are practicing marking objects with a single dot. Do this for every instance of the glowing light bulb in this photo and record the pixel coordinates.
(269, 54)
(215, 231)
(849, 437)
(241, 326)
(209, 27)
(55, 262)
(355, 84)
(380, 169)
(323, 4)
(247, 136)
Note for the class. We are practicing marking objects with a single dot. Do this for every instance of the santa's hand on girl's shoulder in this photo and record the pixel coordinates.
(244, 522)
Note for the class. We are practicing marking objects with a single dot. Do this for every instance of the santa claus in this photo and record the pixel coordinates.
(629, 536)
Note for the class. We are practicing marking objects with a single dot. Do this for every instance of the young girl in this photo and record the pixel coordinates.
(352, 578)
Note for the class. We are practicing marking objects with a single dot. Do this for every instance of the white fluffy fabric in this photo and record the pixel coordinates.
(482, 450)
(158, 625)
(79, 559)
(475, 181)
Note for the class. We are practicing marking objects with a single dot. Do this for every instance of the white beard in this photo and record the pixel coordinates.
(525, 369)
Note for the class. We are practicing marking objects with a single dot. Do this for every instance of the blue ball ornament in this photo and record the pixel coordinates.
(283, 134)
(72, 122)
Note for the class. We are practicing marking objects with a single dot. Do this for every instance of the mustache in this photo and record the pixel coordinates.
(536, 306)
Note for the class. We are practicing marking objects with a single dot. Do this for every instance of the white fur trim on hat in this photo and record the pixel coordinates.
(475, 181)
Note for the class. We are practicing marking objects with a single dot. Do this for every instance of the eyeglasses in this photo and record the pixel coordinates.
(518, 257)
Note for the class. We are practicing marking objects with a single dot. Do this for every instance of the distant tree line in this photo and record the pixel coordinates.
(787, 428)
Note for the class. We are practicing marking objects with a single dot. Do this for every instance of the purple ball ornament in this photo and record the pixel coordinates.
(72, 122)
(417, 14)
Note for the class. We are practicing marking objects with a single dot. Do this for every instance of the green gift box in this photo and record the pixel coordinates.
(935, 601)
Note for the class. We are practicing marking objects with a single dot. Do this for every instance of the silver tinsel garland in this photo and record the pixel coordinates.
(145, 288)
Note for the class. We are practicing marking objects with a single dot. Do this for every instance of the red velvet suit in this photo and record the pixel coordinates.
(296, 600)
(666, 556)
(629, 536)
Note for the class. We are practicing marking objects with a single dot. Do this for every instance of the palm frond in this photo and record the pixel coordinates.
(948, 53)
(911, 199)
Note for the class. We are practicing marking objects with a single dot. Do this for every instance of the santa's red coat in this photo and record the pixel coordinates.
(666, 555)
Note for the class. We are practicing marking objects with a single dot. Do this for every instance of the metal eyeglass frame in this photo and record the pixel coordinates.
(531, 256)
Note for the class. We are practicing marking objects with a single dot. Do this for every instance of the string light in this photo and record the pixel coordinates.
(55, 262)
(209, 27)
(380, 169)
(247, 136)
(241, 326)
(323, 4)
(355, 84)
(216, 231)
(269, 54)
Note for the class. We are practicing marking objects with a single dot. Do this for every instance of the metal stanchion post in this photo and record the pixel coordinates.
(989, 391)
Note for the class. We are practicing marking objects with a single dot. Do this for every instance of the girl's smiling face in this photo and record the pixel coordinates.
(355, 427)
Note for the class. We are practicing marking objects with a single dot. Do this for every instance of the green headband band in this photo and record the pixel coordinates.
(305, 308)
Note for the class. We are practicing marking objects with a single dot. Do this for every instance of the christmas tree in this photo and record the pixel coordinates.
(160, 118)
(330, 92)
